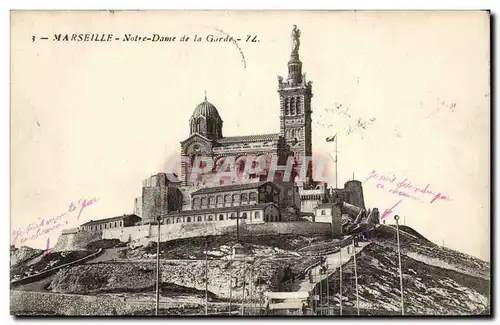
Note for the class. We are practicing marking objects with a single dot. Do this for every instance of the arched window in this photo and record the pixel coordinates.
(221, 217)
(236, 197)
(253, 196)
(244, 197)
(178, 220)
(257, 215)
(211, 200)
(323, 212)
(199, 219)
(210, 218)
(204, 201)
(232, 216)
(168, 221)
(196, 201)
(219, 199)
(244, 215)
(188, 219)
(299, 108)
(227, 198)
(292, 106)
(287, 107)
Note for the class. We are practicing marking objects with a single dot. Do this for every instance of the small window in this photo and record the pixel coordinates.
(232, 216)
(219, 199)
(244, 197)
(211, 200)
(253, 196)
(227, 198)
(199, 218)
(210, 218)
(188, 219)
(204, 201)
(257, 215)
(236, 198)
(196, 201)
(244, 215)
(168, 221)
(221, 217)
(178, 220)
(323, 212)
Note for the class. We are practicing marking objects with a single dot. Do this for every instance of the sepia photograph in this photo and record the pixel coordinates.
(250, 163)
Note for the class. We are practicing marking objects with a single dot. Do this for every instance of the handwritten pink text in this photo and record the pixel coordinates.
(45, 226)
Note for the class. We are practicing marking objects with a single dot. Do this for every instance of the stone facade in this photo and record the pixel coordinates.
(159, 197)
(352, 193)
(109, 223)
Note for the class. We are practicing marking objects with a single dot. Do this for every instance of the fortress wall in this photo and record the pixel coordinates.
(76, 241)
(189, 230)
(127, 234)
(299, 228)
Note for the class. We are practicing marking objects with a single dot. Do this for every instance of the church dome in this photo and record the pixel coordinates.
(207, 110)
(206, 121)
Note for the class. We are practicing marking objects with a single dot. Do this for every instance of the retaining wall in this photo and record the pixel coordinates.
(190, 230)
(63, 304)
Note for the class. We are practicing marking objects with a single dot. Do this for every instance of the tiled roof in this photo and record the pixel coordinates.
(228, 188)
(221, 209)
(249, 138)
(95, 222)
(326, 205)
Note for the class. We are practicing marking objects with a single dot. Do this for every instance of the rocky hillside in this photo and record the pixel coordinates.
(23, 254)
(436, 280)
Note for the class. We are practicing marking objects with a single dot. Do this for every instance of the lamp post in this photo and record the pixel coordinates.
(355, 273)
(340, 278)
(396, 217)
(230, 283)
(158, 268)
(206, 276)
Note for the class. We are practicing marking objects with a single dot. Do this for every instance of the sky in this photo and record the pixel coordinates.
(92, 120)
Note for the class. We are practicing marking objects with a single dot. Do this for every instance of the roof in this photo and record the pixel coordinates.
(250, 138)
(94, 222)
(221, 209)
(232, 187)
(207, 110)
(287, 295)
(326, 205)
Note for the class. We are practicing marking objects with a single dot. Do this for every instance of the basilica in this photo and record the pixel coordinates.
(192, 197)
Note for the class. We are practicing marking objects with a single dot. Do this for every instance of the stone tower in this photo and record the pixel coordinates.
(295, 111)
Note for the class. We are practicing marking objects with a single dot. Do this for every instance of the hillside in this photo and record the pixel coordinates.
(436, 280)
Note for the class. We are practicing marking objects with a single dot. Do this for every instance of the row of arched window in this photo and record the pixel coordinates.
(294, 133)
(292, 106)
(228, 198)
(107, 225)
(210, 217)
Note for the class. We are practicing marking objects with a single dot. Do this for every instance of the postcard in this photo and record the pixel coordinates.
(250, 163)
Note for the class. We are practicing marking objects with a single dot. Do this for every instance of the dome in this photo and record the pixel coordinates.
(206, 121)
(207, 110)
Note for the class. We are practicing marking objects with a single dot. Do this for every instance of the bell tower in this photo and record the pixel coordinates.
(295, 109)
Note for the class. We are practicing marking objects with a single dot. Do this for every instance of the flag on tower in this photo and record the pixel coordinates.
(331, 139)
